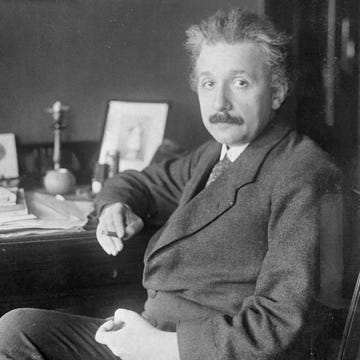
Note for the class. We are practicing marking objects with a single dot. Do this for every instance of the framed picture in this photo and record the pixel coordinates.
(8, 157)
(135, 130)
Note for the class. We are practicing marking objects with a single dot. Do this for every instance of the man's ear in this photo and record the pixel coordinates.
(279, 92)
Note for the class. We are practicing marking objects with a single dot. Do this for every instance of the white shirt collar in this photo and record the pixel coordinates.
(232, 152)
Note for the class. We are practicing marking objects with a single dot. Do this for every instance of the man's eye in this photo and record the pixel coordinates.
(240, 83)
(207, 84)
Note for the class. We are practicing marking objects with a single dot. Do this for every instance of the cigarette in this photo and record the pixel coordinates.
(113, 234)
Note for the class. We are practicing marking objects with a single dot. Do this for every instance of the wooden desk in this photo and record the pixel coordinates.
(70, 272)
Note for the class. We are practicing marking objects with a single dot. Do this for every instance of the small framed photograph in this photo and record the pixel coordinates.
(135, 130)
(8, 157)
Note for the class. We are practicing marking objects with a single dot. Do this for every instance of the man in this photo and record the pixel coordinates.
(234, 271)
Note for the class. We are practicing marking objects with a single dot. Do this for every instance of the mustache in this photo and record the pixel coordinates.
(225, 118)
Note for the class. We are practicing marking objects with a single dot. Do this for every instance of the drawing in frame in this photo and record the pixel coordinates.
(9, 168)
(135, 130)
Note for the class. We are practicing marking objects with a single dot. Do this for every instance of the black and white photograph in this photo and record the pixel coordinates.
(8, 157)
(180, 179)
(135, 131)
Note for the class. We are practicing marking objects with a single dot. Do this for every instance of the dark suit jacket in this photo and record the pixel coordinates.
(235, 268)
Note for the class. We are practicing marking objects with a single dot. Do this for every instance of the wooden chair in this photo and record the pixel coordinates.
(331, 269)
(350, 342)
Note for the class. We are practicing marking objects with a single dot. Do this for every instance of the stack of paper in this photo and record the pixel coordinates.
(13, 207)
(48, 214)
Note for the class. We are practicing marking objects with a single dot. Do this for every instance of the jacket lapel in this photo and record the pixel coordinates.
(201, 173)
(195, 213)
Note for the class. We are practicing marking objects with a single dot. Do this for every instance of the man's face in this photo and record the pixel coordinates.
(235, 94)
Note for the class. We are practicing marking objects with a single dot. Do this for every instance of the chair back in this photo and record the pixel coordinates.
(350, 341)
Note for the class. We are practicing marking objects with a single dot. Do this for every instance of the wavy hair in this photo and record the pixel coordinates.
(236, 26)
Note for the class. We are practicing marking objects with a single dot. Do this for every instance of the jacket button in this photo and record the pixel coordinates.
(152, 293)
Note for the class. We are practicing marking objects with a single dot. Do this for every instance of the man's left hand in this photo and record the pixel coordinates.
(131, 337)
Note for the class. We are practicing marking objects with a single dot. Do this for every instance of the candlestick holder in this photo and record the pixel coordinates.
(58, 180)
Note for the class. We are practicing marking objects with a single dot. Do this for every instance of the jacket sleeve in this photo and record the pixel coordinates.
(154, 193)
(272, 321)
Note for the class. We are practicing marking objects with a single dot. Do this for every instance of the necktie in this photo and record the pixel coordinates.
(218, 169)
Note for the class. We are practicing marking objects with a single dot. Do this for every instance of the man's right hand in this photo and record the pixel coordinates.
(120, 219)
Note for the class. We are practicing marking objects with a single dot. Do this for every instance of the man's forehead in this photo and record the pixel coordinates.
(237, 58)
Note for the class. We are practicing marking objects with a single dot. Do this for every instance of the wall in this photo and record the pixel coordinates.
(85, 52)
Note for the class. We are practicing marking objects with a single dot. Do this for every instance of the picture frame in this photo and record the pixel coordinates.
(9, 168)
(133, 129)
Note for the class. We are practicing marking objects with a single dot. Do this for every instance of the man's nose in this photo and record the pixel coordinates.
(221, 100)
